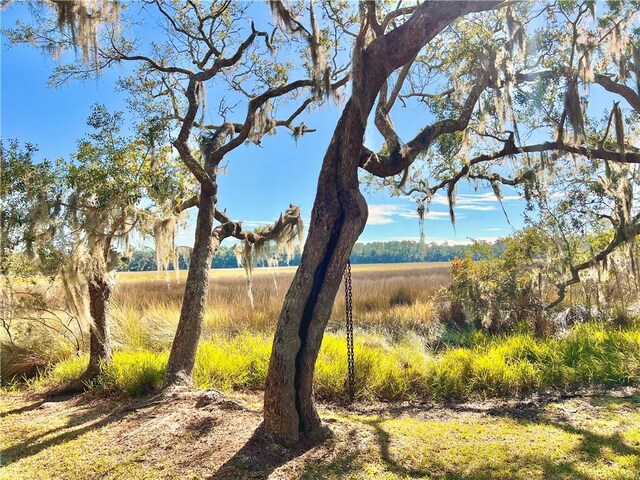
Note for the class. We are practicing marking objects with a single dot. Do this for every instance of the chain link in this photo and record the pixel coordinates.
(348, 297)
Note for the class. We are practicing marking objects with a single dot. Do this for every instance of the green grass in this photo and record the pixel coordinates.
(589, 438)
(483, 366)
(595, 443)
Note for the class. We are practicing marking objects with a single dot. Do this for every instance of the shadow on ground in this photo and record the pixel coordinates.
(588, 459)
(90, 416)
(259, 458)
(214, 439)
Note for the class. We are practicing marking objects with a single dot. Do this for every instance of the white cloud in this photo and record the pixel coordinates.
(477, 208)
(482, 202)
(383, 214)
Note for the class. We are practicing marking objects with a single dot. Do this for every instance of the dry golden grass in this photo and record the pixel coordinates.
(239, 272)
(387, 297)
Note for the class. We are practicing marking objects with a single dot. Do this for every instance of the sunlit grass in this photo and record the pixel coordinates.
(600, 445)
(396, 369)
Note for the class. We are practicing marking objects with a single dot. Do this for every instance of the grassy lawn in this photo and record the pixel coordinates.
(591, 437)
(597, 438)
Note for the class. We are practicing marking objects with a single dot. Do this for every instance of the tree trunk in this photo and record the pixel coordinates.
(100, 291)
(185, 343)
(338, 217)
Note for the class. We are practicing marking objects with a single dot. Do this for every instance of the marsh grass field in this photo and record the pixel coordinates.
(406, 347)
(432, 400)
(386, 296)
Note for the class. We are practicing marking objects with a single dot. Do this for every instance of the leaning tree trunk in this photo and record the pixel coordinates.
(338, 217)
(100, 291)
(185, 343)
(183, 350)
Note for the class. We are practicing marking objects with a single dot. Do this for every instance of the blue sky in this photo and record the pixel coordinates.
(260, 182)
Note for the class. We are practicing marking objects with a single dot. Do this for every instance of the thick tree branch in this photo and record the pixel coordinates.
(400, 159)
(188, 203)
(230, 228)
(620, 89)
(383, 55)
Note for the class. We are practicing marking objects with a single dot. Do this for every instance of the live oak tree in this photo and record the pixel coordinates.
(207, 44)
(478, 68)
(540, 88)
(78, 215)
(597, 53)
(218, 48)
(383, 44)
(117, 185)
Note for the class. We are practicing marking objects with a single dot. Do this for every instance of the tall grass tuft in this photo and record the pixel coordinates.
(233, 363)
(134, 372)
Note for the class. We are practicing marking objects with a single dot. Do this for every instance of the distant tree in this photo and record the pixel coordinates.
(372, 252)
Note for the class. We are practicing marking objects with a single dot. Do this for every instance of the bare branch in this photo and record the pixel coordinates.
(400, 159)
(620, 237)
(181, 142)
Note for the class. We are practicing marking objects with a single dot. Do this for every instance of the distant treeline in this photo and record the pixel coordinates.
(375, 252)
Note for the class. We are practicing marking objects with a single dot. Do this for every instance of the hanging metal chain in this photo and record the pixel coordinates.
(348, 302)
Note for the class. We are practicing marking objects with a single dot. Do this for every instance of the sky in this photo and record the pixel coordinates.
(258, 182)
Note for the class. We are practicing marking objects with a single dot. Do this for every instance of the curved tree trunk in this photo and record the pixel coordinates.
(185, 343)
(338, 217)
(100, 291)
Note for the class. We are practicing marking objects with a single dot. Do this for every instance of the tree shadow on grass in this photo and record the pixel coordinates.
(23, 409)
(593, 448)
(91, 418)
(550, 469)
(383, 440)
(35, 405)
(592, 443)
(261, 455)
